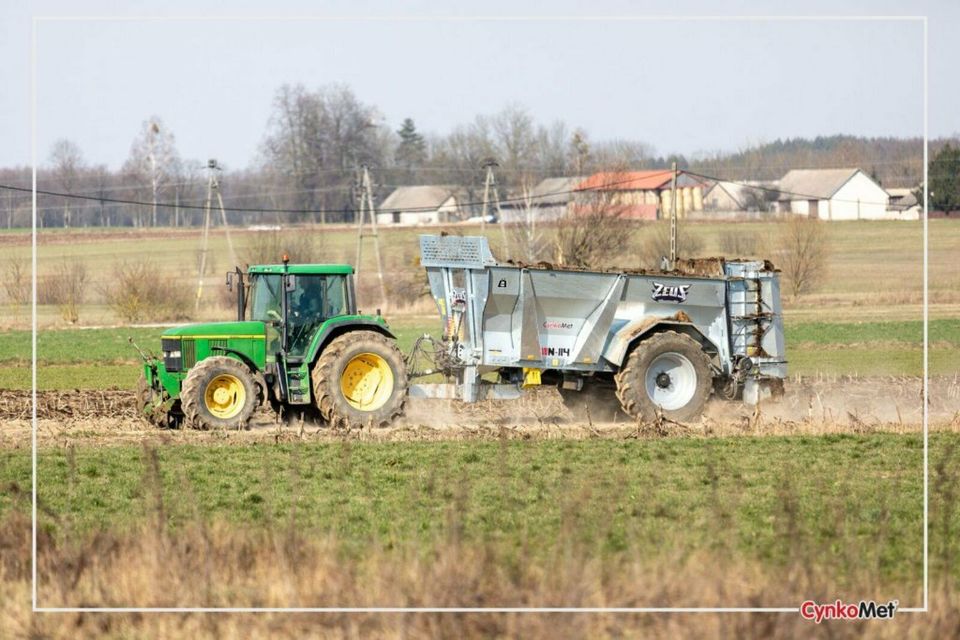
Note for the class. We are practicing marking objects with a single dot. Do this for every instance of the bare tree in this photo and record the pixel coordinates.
(100, 178)
(17, 204)
(802, 249)
(756, 199)
(526, 234)
(623, 153)
(153, 159)
(266, 247)
(67, 161)
(463, 151)
(514, 137)
(579, 151)
(595, 232)
(314, 141)
(188, 185)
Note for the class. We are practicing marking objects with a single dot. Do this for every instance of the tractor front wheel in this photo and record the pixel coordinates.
(669, 373)
(360, 380)
(147, 404)
(219, 393)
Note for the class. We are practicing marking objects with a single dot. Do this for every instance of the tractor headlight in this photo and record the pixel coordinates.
(172, 359)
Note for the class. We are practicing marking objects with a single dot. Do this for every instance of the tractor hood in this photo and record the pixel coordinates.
(245, 329)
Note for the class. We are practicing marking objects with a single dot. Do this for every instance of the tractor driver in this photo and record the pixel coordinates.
(310, 301)
(306, 311)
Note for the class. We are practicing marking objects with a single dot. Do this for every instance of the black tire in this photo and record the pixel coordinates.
(671, 366)
(208, 372)
(330, 376)
(146, 404)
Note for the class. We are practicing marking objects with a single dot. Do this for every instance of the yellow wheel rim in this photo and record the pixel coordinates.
(225, 396)
(367, 382)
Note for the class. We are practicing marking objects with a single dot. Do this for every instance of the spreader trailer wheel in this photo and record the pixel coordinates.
(668, 373)
(360, 380)
(219, 393)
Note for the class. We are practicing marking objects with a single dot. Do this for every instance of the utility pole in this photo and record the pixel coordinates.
(213, 187)
(673, 219)
(490, 185)
(365, 200)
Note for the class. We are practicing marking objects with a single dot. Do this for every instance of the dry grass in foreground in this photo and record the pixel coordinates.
(210, 562)
(219, 565)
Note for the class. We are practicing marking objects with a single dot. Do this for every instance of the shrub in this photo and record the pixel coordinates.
(268, 247)
(139, 292)
(736, 243)
(655, 244)
(66, 288)
(17, 282)
(405, 288)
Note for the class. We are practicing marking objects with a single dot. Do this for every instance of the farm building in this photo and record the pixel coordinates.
(832, 194)
(419, 205)
(642, 195)
(903, 204)
(550, 199)
(738, 197)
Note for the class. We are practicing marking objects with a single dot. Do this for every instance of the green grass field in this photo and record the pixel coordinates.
(754, 497)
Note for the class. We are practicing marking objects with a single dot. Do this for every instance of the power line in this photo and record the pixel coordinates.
(144, 203)
(514, 200)
(535, 168)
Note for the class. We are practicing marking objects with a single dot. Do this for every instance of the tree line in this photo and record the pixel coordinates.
(316, 139)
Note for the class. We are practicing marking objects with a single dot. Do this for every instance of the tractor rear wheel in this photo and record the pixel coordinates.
(360, 380)
(669, 373)
(219, 393)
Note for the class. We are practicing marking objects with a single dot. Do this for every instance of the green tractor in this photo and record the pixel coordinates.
(298, 342)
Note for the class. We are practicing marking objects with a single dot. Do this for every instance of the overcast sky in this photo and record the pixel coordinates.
(682, 86)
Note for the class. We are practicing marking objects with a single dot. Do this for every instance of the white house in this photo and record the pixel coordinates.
(419, 205)
(832, 194)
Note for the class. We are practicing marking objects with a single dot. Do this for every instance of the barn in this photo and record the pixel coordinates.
(549, 200)
(832, 194)
(422, 204)
(642, 195)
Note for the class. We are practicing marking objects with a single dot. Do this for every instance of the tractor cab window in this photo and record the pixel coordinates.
(315, 298)
(265, 298)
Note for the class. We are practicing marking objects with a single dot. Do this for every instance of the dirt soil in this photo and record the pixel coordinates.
(810, 406)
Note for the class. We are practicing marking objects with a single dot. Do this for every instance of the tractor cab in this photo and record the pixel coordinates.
(293, 300)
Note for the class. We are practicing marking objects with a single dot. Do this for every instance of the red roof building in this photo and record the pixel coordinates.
(639, 195)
